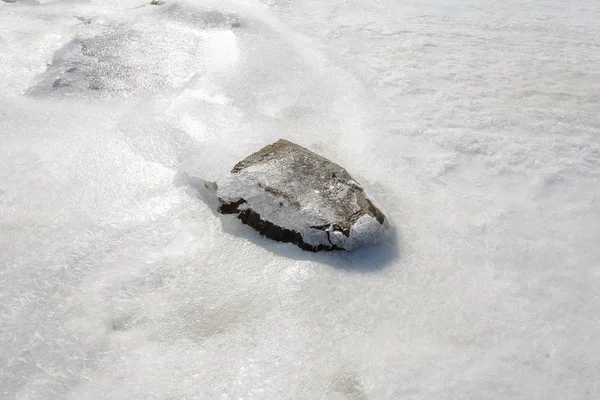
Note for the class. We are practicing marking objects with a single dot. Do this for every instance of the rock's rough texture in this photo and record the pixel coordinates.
(291, 194)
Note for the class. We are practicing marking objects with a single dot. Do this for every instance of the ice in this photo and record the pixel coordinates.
(474, 125)
(154, 53)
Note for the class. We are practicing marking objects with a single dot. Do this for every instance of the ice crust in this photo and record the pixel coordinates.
(474, 124)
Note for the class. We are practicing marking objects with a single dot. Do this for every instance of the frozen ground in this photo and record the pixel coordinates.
(474, 124)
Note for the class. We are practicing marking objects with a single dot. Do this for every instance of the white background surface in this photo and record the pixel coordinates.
(474, 125)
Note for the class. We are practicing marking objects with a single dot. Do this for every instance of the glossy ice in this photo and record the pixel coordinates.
(473, 124)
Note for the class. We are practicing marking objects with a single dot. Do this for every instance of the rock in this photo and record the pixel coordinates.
(290, 194)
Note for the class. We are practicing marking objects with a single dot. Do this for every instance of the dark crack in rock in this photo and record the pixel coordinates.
(292, 195)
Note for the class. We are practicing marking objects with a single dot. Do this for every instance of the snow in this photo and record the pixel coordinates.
(474, 125)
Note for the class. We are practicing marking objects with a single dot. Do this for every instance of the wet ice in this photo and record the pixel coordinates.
(473, 124)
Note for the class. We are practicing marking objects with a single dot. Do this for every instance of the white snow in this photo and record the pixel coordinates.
(475, 125)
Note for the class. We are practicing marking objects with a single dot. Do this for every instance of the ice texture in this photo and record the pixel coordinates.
(152, 54)
(473, 124)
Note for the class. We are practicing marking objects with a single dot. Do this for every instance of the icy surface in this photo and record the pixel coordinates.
(473, 124)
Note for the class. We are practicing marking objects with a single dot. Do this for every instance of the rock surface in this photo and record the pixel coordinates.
(291, 194)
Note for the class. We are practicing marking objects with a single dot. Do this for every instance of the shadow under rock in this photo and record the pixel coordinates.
(367, 259)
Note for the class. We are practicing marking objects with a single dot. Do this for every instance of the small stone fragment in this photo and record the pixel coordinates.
(290, 194)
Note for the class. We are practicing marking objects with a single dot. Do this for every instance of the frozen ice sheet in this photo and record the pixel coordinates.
(472, 124)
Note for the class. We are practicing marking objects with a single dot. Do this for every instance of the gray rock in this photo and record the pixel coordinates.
(290, 194)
